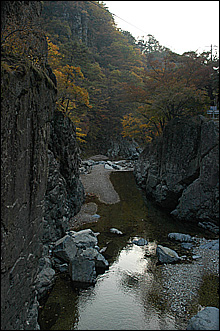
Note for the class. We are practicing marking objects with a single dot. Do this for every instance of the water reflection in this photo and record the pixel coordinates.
(128, 296)
(119, 301)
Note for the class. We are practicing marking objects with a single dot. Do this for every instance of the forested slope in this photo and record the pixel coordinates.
(112, 85)
(100, 59)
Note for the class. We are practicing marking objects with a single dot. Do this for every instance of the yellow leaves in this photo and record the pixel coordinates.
(23, 38)
(71, 96)
(80, 136)
(52, 48)
(141, 128)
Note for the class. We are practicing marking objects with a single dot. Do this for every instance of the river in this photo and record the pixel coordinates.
(128, 296)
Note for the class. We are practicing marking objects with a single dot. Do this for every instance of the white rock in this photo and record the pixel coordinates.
(116, 231)
(108, 167)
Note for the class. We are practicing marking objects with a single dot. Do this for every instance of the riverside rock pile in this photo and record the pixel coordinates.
(182, 281)
(122, 165)
(80, 253)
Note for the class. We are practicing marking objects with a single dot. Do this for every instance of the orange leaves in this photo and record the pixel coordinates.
(73, 100)
(134, 127)
(22, 37)
(169, 88)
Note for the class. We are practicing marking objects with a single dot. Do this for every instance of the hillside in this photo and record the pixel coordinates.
(112, 85)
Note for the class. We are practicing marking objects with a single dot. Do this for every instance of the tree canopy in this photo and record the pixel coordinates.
(110, 84)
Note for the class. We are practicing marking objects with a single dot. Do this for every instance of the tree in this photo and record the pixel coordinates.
(172, 87)
(22, 37)
(106, 56)
(72, 100)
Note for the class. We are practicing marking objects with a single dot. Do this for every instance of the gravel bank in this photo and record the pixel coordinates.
(180, 282)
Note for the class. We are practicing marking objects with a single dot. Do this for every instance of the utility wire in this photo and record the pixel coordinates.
(118, 17)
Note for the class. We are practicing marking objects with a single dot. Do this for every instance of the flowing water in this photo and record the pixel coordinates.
(128, 295)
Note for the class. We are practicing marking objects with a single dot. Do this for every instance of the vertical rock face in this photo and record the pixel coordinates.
(65, 192)
(180, 170)
(40, 183)
(27, 107)
(28, 101)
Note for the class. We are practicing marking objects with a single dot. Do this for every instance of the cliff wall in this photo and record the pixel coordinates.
(65, 192)
(28, 100)
(180, 170)
(40, 186)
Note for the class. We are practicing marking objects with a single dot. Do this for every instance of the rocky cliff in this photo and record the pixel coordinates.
(39, 159)
(65, 192)
(28, 100)
(180, 170)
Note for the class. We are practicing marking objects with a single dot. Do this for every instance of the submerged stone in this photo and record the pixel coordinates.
(140, 242)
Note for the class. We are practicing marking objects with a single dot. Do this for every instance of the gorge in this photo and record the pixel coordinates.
(41, 187)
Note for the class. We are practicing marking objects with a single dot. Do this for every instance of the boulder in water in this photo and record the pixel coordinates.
(140, 242)
(116, 231)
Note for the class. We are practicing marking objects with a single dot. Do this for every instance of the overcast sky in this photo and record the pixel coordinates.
(179, 25)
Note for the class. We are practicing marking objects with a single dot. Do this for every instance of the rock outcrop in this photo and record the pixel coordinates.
(39, 158)
(65, 192)
(28, 100)
(180, 170)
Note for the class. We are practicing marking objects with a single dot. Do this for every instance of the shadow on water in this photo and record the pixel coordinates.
(128, 291)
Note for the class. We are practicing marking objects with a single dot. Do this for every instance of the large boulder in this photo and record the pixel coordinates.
(65, 248)
(85, 238)
(206, 319)
(166, 255)
(82, 267)
(180, 169)
(80, 251)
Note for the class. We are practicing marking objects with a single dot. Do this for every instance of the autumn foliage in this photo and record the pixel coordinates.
(172, 86)
(108, 83)
(22, 37)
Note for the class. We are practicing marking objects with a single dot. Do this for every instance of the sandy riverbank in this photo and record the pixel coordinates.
(97, 183)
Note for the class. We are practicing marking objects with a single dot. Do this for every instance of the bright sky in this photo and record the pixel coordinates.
(179, 25)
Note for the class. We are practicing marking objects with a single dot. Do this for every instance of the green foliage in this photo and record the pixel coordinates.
(121, 86)
(86, 36)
